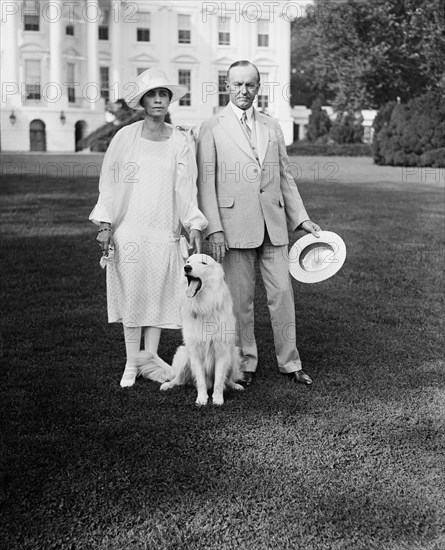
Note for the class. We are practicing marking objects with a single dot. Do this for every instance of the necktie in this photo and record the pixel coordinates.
(246, 126)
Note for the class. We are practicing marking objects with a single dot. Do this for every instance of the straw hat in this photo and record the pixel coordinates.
(313, 259)
(149, 80)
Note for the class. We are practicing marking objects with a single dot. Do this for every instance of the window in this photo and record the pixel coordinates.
(224, 31)
(143, 35)
(184, 29)
(184, 78)
(263, 96)
(32, 79)
(263, 33)
(224, 96)
(69, 30)
(103, 26)
(140, 70)
(31, 14)
(143, 29)
(103, 32)
(71, 72)
(105, 83)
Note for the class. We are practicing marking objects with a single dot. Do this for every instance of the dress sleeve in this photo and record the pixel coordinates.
(186, 191)
(104, 209)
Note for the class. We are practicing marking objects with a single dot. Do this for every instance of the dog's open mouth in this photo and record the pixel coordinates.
(194, 287)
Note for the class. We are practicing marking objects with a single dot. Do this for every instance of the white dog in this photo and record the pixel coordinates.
(209, 356)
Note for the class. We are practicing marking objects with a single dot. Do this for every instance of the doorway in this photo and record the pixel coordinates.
(37, 135)
(80, 131)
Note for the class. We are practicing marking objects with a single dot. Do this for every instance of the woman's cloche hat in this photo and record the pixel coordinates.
(315, 259)
(149, 80)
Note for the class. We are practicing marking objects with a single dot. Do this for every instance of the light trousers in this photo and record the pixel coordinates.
(239, 267)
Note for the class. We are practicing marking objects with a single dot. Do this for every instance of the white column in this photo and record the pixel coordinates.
(92, 88)
(168, 40)
(116, 86)
(283, 107)
(243, 35)
(10, 77)
(55, 18)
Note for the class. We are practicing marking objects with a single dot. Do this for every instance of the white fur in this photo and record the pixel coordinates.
(209, 356)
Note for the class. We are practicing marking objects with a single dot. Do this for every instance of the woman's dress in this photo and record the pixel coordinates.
(143, 277)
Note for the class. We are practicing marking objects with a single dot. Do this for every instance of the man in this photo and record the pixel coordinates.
(249, 197)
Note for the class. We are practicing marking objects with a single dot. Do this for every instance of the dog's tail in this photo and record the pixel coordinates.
(181, 366)
(153, 367)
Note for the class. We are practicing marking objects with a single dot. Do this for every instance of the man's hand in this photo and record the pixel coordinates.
(195, 240)
(218, 245)
(311, 227)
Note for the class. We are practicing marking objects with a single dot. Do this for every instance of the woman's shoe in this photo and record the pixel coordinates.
(129, 377)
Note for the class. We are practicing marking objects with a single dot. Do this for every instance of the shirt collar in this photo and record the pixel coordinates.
(239, 112)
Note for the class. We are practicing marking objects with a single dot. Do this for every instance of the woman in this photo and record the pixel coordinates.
(147, 190)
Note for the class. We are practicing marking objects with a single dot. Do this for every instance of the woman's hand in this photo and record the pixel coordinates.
(195, 240)
(105, 238)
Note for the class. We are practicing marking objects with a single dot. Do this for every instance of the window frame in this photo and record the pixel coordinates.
(184, 34)
(35, 17)
(104, 90)
(223, 94)
(33, 90)
(185, 101)
(103, 29)
(263, 36)
(263, 98)
(222, 31)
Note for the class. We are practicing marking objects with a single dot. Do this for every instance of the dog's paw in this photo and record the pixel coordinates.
(218, 400)
(238, 387)
(166, 386)
(201, 400)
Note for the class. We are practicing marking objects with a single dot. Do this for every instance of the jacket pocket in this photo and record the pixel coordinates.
(226, 202)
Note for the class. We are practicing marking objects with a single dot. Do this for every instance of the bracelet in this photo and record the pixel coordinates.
(105, 229)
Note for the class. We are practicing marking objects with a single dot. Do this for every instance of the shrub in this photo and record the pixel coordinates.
(304, 148)
(433, 157)
(319, 122)
(347, 128)
(411, 134)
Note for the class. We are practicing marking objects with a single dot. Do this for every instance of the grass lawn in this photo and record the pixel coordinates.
(355, 462)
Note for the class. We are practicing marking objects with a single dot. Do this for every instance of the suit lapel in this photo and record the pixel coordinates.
(262, 135)
(232, 127)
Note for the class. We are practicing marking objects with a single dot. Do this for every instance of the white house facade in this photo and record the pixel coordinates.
(63, 60)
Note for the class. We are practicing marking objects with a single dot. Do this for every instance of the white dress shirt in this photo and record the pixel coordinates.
(239, 113)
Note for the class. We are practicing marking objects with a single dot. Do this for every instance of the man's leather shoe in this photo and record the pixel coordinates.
(301, 377)
(247, 378)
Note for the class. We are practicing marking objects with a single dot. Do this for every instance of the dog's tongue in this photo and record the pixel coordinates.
(192, 288)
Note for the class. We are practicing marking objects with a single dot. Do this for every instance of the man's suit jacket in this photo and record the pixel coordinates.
(241, 195)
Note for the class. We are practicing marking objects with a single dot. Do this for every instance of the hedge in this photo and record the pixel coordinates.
(306, 149)
(411, 134)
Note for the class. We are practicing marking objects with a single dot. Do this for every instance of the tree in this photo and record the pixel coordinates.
(319, 122)
(100, 139)
(307, 84)
(363, 54)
